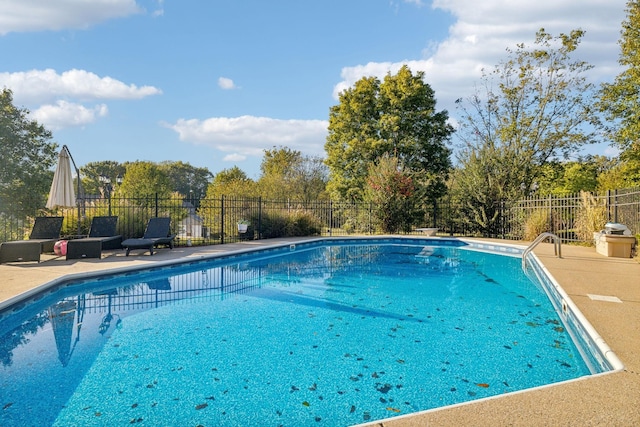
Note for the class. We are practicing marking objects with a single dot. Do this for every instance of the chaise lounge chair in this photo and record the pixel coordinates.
(44, 234)
(157, 233)
(102, 235)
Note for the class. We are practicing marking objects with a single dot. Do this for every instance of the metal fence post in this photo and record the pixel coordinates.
(330, 217)
(259, 217)
(435, 213)
(503, 223)
(551, 225)
(222, 219)
(156, 205)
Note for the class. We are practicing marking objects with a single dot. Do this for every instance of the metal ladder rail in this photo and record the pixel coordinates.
(557, 247)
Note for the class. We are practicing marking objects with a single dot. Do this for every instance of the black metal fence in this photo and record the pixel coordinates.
(567, 216)
(215, 221)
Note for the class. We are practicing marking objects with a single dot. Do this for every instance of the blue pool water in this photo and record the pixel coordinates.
(321, 335)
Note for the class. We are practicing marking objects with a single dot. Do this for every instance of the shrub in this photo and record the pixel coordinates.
(290, 224)
(302, 223)
(272, 225)
(536, 223)
(392, 192)
(590, 217)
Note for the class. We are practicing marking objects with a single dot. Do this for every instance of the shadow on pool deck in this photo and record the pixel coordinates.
(602, 400)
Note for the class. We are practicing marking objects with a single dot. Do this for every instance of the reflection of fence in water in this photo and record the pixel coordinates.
(203, 285)
(214, 283)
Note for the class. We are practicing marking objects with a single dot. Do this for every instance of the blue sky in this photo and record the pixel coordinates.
(214, 83)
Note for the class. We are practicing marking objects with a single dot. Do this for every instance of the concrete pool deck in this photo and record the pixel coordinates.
(589, 278)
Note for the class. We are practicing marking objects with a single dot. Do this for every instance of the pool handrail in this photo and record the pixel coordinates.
(556, 248)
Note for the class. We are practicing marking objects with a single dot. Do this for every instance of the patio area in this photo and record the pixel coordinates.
(590, 279)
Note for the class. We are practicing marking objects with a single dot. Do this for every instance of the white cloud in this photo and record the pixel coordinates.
(56, 99)
(249, 135)
(65, 114)
(482, 32)
(235, 157)
(40, 15)
(226, 83)
(159, 10)
(416, 2)
(39, 86)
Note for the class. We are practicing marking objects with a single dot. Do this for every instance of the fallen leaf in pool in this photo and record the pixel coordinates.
(483, 385)
(305, 403)
(201, 406)
(389, 408)
(384, 388)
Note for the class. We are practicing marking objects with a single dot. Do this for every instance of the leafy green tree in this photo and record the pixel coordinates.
(312, 176)
(479, 184)
(278, 171)
(541, 110)
(579, 177)
(620, 100)
(144, 179)
(624, 173)
(188, 180)
(560, 178)
(232, 182)
(27, 155)
(93, 171)
(396, 117)
(287, 174)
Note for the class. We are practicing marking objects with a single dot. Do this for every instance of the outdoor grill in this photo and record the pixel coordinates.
(618, 229)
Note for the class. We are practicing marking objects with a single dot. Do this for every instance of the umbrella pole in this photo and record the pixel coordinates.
(80, 195)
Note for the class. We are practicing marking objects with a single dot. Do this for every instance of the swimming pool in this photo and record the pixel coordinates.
(327, 332)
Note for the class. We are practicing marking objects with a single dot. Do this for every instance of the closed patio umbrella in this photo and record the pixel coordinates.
(62, 193)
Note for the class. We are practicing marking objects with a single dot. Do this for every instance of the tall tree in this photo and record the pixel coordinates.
(144, 179)
(232, 182)
(624, 173)
(287, 174)
(188, 180)
(620, 100)
(94, 172)
(540, 110)
(26, 156)
(397, 117)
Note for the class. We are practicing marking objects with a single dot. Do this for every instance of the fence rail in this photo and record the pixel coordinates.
(214, 221)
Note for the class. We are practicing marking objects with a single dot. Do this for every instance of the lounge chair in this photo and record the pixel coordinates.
(102, 235)
(44, 234)
(157, 233)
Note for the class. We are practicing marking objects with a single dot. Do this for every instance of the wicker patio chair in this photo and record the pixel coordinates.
(44, 234)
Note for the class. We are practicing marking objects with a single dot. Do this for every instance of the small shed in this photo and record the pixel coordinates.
(190, 227)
